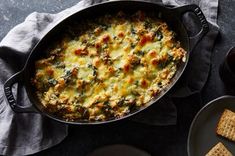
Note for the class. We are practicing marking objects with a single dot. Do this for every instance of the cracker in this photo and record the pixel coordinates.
(219, 150)
(226, 125)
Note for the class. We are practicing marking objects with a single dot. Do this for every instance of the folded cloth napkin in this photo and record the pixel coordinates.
(197, 71)
(22, 134)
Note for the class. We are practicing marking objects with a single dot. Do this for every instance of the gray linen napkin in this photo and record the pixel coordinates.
(22, 134)
(197, 71)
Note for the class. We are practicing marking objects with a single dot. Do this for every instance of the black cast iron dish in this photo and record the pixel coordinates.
(173, 17)
(202, 135)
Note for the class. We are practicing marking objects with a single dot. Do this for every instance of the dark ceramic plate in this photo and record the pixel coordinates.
(202, 135)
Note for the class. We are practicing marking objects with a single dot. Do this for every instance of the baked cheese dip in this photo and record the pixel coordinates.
(107, 67)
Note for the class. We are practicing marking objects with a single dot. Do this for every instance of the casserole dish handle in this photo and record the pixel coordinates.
(10, 97)
(202, 19)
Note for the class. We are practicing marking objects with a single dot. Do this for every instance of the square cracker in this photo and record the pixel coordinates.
(219, 150)
(226, 125)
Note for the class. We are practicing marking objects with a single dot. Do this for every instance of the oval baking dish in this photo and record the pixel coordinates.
(172, 16)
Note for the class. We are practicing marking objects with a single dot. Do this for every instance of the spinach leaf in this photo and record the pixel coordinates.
(52, 81)
(158, 35)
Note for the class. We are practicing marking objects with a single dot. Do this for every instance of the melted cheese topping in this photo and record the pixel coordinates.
(109, 67)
